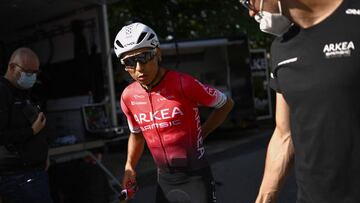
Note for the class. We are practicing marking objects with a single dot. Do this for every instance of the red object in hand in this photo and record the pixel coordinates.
(130, 189)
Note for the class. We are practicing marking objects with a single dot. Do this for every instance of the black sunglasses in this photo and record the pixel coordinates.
(143, 58)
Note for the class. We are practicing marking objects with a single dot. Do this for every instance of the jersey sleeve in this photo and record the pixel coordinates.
(274, 83)
(133, 126)
(273, 80)
(201, 93)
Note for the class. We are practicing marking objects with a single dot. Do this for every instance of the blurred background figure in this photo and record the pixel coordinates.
(23, 148)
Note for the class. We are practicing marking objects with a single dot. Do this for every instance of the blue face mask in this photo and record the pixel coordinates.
(26, 80)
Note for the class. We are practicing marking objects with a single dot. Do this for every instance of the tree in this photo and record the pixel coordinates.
(188, 19)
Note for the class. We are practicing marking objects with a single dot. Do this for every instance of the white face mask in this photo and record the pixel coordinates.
(273, 23)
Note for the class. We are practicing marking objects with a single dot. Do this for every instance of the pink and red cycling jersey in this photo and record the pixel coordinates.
(168, 117)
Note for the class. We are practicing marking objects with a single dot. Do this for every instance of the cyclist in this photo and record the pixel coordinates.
(161, 107)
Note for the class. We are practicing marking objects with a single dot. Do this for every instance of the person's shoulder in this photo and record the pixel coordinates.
(3, 81)
(275, 44)
(177, 76)
(278, 42)
(182, 75)
(282, 44)
(5, 89)
(130, 89)
(4, 84)
(173, 73)
(276, 47)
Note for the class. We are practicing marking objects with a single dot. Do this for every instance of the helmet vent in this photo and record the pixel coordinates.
(119, 44)
(141, 37)
(151, 36)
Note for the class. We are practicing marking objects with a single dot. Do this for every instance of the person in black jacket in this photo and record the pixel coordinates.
(23, 148)
(315, 70)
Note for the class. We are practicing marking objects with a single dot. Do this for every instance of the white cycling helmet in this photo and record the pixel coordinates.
(134, 36)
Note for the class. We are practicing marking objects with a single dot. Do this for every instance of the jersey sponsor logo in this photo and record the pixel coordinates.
(159, 115)
(134, 103)
(209, 90)
(353, 11)
(338, 49)
(159, 125)
(199, 144)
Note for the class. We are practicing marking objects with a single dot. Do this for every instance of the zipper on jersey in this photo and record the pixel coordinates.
(157, 131)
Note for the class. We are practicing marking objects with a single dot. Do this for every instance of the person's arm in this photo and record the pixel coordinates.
(14, 135)
(280, 155)
(217, 117)
(136, 142)
(135, 149)
(39, 123)
(206, 95)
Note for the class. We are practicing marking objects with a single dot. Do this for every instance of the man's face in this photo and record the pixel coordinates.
(25, 66)
(142, 64)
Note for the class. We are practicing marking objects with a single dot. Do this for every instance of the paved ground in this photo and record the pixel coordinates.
(237, 159)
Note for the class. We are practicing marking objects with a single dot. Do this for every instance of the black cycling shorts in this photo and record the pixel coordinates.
(186, 187)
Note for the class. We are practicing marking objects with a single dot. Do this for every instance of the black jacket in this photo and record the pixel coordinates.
(20, 149)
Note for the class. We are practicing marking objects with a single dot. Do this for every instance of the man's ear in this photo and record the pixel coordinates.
(158, 54)
(11, 67)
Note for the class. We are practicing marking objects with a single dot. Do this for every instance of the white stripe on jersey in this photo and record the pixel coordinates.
(221, 100)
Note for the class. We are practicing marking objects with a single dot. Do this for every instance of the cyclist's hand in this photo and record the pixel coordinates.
(129, 184)
(266, 198)
(39, 123)
(129, 176)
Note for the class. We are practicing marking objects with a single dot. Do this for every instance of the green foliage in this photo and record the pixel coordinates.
(188, 19)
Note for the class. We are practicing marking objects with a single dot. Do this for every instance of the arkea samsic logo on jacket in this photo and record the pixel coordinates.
(339, 49)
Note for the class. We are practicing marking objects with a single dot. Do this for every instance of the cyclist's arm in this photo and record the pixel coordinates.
(207, 96)
(280, 154)
(135, 149)
(135, 144)
(216, 117)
